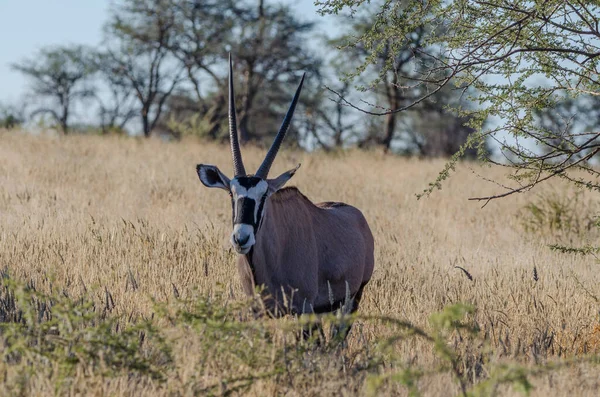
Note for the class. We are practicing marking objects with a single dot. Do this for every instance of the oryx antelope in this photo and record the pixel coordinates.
(305, 255)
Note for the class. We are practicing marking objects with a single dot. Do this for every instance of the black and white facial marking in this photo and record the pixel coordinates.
(248, 196)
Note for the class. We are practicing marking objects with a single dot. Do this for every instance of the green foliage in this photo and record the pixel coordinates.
(195, 125)
(10, 119)
(58, 337)
(241, 335)
(520, 60)
(62, 75)
(11, 116)
(444, 325)
(226, 336)
(136, 62)
(42, 333)
(457, 340)
(564, 218)
(474, 140)
(389, 73)
(515, 375)
(560, 215)
(451, 318)
(153, 47)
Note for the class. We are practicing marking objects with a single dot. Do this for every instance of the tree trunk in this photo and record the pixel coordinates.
(390, 126)
(64, 117)
(246, 106)
(244, 136)
(390, 119)
(339, 128)
(64, 121)
(145, 123)
(215, 119)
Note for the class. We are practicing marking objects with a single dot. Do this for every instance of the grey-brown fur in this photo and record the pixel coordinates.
(306, 251)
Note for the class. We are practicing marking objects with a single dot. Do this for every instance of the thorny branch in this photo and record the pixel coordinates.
(559, 170)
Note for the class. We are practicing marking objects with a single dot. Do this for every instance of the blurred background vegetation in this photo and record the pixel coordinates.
(161, 70)
(508, 84)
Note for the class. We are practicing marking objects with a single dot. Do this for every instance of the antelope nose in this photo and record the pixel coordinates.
(241, 240)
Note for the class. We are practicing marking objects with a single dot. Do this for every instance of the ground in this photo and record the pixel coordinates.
(123, 228)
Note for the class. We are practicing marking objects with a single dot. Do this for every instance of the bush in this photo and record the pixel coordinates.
(55, 336)
(228, 350)
(560, 215)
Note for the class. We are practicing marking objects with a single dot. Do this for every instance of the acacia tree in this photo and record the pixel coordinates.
(60, 75)
(325, 119)
(519, 57)
(115, 97)
(202, 31)
(12, 115)
(139, 36)
(387, 83)
(270, 49)
(267, 43)
(430, 128)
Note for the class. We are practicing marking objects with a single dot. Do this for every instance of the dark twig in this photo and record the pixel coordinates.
(469, 276)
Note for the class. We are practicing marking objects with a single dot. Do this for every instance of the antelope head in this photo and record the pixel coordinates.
(248, 192)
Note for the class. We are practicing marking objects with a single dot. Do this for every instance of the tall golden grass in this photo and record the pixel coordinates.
(127, 224)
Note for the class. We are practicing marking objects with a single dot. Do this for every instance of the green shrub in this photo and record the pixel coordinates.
(560, 215)
(42, 334)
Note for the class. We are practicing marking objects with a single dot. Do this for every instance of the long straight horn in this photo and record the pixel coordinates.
(263, 170)
(238, 164)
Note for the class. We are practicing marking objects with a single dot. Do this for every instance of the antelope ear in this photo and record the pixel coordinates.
(211, 176)
(281, 180)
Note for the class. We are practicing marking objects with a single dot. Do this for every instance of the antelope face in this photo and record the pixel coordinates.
(248, 197)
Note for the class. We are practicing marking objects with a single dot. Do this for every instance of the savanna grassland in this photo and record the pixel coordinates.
(119, 279)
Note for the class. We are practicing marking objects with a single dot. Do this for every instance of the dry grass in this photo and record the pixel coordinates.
(126, 223)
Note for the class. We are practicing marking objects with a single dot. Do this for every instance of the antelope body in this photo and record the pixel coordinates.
(308, 257)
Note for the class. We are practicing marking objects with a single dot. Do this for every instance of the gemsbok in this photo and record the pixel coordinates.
(307, 257)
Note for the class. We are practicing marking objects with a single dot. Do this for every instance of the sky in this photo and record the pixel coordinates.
(27, 26)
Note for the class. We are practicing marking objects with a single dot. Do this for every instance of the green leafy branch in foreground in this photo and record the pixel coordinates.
(55, 332)
(565, 217)
(446, 325)
(450, 319)
(525, 68)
